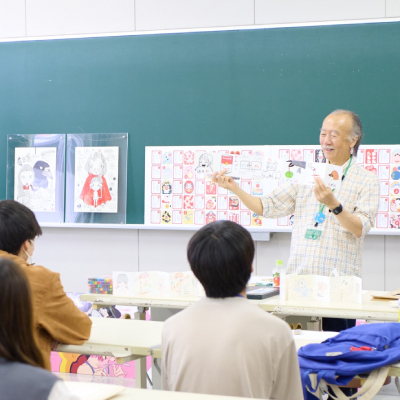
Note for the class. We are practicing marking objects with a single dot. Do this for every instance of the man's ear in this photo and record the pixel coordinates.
(25, 245)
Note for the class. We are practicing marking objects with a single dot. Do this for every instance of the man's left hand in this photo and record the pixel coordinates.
(324, 195)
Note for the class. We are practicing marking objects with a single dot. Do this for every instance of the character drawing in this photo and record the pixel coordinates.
(177, 284)
(395, 221)
(205, 163)
(166, 187)
(96, 167)
(210, 217)
(26, 178)
(300, 164)
(271, 171)
(96, 184)
(122, 286)
(42, 175)
(396, 156)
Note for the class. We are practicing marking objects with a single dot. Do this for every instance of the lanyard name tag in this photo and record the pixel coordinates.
(313, 234)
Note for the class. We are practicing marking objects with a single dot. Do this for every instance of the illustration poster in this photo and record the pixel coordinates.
(96, 179)
(93, 368)
(35, 178)
(179, 190)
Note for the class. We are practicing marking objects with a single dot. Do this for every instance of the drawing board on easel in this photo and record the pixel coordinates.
(96, 190)
(36, 174)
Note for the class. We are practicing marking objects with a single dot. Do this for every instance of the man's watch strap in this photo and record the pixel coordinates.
(338, 209)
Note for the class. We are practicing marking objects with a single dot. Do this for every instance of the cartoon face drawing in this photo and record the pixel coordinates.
(166, 187)
(205, 163)
(396, 156)
(210, 217)
(395, 205)
(188, 187)
(167, 157)
(26, 176)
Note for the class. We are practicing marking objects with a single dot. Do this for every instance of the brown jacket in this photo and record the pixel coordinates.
(55, 315)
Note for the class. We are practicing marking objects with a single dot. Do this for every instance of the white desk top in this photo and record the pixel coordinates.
(143, 394)
(119, 338)
(368, 309)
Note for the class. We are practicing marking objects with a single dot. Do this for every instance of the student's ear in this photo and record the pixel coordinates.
(252, 270)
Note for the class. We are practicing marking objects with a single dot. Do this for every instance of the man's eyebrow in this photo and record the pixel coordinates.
(331, 130)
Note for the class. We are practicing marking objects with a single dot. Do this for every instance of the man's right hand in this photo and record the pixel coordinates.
(223, 181)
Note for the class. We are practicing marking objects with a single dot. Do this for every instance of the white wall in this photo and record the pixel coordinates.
(79, 253)
(32, 18)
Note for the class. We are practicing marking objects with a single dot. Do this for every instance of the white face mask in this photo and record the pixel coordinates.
(29, 256)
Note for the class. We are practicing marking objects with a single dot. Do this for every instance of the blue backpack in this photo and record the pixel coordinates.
(355, 351)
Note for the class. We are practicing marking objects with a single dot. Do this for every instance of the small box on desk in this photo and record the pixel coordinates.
(101, 285)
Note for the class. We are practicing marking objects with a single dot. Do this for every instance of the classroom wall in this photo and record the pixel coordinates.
(80, 253)
(33, 18)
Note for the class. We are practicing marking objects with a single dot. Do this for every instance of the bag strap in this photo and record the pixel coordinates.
(370, 388)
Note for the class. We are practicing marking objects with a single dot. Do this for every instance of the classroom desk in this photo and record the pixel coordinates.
(78, 387)
(126, 340)
(369, 309)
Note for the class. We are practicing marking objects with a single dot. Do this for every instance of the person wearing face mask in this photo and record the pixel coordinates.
(56, 318)
(340, 219)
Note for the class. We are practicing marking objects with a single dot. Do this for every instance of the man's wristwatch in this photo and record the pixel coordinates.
(338, 209)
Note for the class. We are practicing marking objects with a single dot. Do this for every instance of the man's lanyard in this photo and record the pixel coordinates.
(319, 217)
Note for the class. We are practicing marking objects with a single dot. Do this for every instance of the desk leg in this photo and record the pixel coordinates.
(141, 314)
(140, 373)
(140, 364)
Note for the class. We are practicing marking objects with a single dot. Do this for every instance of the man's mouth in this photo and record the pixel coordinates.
(328, 149)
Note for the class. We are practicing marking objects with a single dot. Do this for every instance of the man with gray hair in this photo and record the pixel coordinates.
(340, 219)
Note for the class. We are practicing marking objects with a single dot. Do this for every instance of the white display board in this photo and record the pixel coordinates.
(179, 191)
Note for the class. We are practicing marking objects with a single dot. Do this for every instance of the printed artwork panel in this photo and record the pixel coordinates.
(96, 179)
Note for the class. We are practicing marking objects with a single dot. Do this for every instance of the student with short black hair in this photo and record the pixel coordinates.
(224, 344)
(57, 319)
(22, 373)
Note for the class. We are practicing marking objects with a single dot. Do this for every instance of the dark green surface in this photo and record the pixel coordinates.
(253, 87)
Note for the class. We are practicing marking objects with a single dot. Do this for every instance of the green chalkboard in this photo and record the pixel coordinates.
(267, 86)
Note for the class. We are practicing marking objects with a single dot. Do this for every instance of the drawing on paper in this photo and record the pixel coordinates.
(96, 179)
(123, 283)
(35, 178)
(204, 164)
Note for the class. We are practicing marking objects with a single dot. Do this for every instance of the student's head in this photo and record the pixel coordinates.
(221, 257)
(18, 228)
(16, 320)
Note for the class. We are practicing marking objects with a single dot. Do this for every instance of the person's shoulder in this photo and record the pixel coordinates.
(364, 173)
(183, 317)
(253, 314)
(35, 373)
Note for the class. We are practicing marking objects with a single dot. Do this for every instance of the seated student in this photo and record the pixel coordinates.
(223, 344)
(22, 373)
(56, 317)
